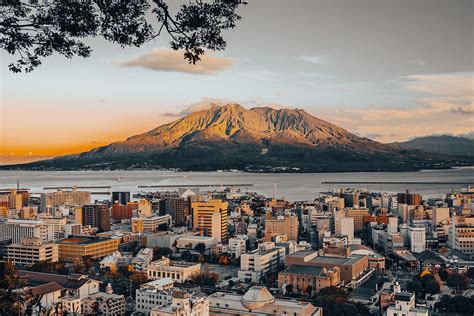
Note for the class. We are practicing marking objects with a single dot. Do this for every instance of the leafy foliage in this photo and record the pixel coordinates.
(34, 31)
(11, 300)
(424, 285)
(159, 252)
(457, 304)
(49, 267)
(457, 281)
(334, 303)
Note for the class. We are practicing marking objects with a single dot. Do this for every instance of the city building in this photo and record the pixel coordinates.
(417, 237)
(261, 262)
(258, 301)
(351, 267)
(184, 303)
(107, 304)
(60, 197)
(210, 218)
(358, 215)
(150, 224)
(145, 209)
(177, 270)
(177, 208)
(309, 279)
(409, 198)
(347, 227)
(405, 306)
(156, 293)
(30, 251)
(238, 245)
(77, 246)
(121, 212)
(142, 259)
(190, 242)
(461, 234)
(16, 229)
(96, 215)
(121, 198)
(280, 226)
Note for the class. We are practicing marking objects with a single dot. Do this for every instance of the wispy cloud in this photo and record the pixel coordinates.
(321, 59)
(170, 60)
(447, 106)
(204, 104)
(417, 62)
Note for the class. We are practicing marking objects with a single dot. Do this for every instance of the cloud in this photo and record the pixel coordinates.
(417, 62)
(322, 59)
(447, 106)
(173, 61)
(204, 104)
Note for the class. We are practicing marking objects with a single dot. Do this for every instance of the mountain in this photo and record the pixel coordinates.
(259, 139)
(444, 145)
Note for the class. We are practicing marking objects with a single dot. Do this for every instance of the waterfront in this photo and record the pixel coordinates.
(292, 186)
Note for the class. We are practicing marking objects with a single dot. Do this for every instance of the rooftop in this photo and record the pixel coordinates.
(338, 260)
(82, 240)
(304, 270)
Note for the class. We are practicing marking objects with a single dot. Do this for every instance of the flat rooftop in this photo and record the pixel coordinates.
(338, 260)
(82, 240)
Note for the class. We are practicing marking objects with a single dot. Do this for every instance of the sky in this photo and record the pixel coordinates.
(390, 70)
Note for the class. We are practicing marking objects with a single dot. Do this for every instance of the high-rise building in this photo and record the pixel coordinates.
(358, 215)
(121, 197)
(177, 208)
(59, 198)
(150, 224)
(145, 208)
(440, 214)
(409, 198)
(210, 217)
(282, 225)
(347, 227)
(16, 229)
(96, 215)
(261, 262)
(120, 212)
(417, 239)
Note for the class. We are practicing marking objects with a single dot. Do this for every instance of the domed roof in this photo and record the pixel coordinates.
(257, 297)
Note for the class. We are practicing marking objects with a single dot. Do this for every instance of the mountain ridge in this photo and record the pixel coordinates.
(256, 139)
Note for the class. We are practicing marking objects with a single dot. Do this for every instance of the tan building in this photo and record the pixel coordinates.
(58, 198)
(211, 218)
(150, 224)
(184, 303)
(30, 251)
(78, 246)
(351, 267)
(109, 304)
(261, 262)
(280, 226)
(461, 234)
(358, 215)
(306, 278)
(177, 270)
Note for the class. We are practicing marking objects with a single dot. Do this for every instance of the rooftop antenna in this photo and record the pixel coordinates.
(17, 184)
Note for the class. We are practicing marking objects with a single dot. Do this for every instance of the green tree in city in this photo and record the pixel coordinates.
(458, 282)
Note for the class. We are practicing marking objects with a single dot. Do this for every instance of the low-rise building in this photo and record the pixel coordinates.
(156, 293)
(107, 304)
(150, 224)
(405, 306)
(258, 301)
(77, 246)
(308, 279)
(177, 270)
(142, 259)
(238, 245)
(184, 304)
(30, 251)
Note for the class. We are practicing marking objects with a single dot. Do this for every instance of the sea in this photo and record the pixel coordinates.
(291, 186)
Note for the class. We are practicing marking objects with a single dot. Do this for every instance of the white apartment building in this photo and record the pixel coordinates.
(109, 304)
(142, 259)
(30, 251)
(238, 245)
(461, 234)
(417, 239)
(16, 229)
(184, 304)
(149, 224)
(177, 270)
(261, 262)
(156, 293)
(405, 306)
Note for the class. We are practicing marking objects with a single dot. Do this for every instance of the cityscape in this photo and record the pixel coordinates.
(225, 251)
(236, 157)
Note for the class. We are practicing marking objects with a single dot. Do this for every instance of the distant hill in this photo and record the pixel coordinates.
(444, 145)
(258, 140)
